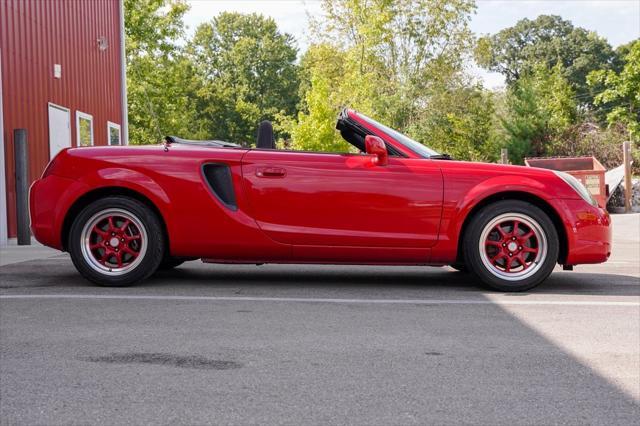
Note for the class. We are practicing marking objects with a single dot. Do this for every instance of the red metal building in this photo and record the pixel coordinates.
(62, 78)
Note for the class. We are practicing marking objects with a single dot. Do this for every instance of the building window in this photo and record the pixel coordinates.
(84, 128)
(113, 133)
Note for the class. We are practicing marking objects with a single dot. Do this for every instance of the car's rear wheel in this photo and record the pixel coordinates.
(116, 241)
(511, 245)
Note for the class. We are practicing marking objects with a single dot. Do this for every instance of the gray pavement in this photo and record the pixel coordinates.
(272, 344)
(13, 253)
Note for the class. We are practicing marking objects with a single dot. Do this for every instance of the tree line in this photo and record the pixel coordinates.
(403, 62)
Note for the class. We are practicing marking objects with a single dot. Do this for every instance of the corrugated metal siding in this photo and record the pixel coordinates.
(35, 35)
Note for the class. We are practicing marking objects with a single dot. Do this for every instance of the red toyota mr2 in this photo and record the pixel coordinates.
(124, 212)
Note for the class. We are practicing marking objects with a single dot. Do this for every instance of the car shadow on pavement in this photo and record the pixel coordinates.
(424, 278)
(60, 272)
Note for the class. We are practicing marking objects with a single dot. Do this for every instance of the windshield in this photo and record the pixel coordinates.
(414, 146)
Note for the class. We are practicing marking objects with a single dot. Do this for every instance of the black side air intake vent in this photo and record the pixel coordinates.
(218, 176)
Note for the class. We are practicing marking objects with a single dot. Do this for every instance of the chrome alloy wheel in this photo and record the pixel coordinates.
(513, 246)
(113, 241)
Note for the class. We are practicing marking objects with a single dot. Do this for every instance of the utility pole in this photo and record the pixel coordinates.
(626, 155)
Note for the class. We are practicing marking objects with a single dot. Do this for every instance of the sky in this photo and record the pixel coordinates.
(616, 20)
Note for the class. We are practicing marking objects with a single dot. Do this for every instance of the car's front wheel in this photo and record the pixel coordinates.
(116, 241)
(511, 245)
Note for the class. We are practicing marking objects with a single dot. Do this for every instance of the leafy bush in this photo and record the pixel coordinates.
(587, 138)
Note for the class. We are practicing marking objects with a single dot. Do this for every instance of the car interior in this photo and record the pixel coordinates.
(265, 137)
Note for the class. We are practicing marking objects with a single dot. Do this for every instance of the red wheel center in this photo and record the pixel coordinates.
(511, 246)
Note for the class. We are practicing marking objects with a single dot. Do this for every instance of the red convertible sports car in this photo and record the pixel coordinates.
(124, 212)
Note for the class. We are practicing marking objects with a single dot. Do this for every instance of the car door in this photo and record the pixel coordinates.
(317, 199)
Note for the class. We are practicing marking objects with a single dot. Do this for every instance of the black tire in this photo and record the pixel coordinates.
(170, 263)
(142, 266)
(495, 277)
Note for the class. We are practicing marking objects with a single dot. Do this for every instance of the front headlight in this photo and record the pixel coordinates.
(578, 187)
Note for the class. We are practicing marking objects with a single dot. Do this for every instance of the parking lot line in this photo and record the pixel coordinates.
(320, 300)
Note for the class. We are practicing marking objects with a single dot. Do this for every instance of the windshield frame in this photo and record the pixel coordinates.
(414, 146)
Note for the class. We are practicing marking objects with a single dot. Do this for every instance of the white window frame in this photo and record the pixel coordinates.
(79, 115)
(111, 125)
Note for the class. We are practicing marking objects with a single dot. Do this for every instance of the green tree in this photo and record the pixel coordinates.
(621, 94)
(158, 75)
(394, 56)
(322, 68)
(539, 106)
(550, 40)
(153, 27)
(246, 73)
(459, 122)
(402, 49)
(315, 130)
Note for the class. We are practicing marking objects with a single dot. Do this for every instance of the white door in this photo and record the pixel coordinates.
(59, 129)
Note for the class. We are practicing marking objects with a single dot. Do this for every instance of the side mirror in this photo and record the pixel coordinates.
(375, 146)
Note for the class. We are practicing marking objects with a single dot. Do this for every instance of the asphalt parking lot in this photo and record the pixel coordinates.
(295, 345)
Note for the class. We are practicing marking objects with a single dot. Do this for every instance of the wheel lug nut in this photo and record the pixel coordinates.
(107, 243)
(519, 248)
(504, 245)
(122, 240)
(510, 254)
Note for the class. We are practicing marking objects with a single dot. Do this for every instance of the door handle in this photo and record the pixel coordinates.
(271, 172)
